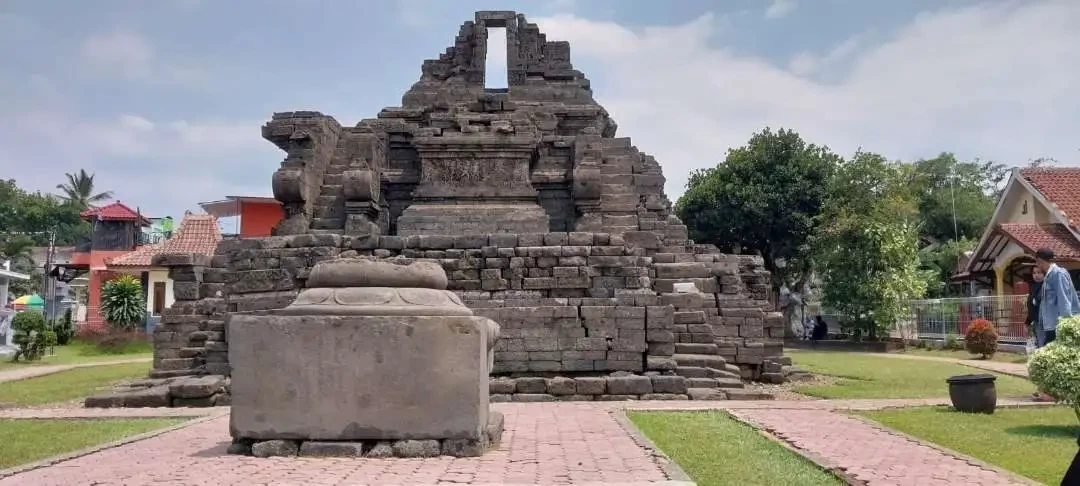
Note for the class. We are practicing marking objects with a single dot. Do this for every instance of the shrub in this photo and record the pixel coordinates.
(981, 338)
(64, 329)
(951, 343)
(1055, 368)
(122, 303)
(29, 328)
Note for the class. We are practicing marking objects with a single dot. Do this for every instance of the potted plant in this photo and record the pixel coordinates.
(1055, 368)
(973, 393)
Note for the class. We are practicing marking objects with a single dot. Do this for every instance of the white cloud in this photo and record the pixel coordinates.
(128, 55)
(997, 81)
(779, 8)
(806, 63)
(164, 166)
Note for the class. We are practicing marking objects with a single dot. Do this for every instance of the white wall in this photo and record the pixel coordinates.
(158, 276)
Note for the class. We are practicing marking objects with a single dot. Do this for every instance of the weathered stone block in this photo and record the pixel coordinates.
(356, 358)
(275, 448)
(629, 385)
(588, 385)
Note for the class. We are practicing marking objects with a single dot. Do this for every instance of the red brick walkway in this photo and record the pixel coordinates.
(544, 443)
(869, 453)
(550, 443)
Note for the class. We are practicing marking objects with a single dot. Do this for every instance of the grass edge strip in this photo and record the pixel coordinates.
(670, 468)
(108, 445)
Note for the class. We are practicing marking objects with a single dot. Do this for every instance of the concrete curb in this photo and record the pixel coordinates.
(670, 468)
(108, 445)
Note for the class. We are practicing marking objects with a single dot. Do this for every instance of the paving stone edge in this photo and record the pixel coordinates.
(670, 468)
(814, 459)
(108, 445)
(949, 452)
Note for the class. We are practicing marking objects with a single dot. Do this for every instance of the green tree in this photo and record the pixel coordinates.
(79, 190)
(955, 199)
(939, 262)
(764, 197)
(867, 250)
(33, 216)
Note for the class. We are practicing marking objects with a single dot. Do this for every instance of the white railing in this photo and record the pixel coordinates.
(942, 318)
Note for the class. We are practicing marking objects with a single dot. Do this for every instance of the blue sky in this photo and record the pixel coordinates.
(164, 99)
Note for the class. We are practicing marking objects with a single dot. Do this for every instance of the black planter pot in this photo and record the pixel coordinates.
(973, 393)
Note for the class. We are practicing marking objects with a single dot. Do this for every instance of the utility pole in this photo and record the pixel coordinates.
(49, 292)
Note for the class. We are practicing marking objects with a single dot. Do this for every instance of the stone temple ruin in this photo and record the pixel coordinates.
(543, 220)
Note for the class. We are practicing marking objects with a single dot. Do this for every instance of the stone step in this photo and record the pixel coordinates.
(333, 179)
(700, 360)
(747, 395)
(727, 383)
(192, 352)
(706, 394)
(327, 223)
(329, 194)
(701, 382)
(337, 231)
(734, 370)
(172, 373)
(696, 348)
(692, 371)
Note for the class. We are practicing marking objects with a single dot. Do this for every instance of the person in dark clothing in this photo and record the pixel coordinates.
(1034, 294)
(821, 330)
(1072, 476)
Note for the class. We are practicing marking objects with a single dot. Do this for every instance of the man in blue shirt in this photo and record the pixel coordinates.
(1059, 297)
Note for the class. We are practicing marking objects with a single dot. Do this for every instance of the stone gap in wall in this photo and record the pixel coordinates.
(496, 75)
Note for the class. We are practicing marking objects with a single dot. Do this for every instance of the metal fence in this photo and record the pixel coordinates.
(942, 318)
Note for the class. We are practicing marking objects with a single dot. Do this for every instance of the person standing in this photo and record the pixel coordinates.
(1034, 296)
(1058, 297)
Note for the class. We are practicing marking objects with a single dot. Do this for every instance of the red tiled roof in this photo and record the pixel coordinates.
(116, 211)
(1059, 185)
(1053, 236)
(198, 234)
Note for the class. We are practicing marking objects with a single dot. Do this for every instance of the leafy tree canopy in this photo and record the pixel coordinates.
(764, 197)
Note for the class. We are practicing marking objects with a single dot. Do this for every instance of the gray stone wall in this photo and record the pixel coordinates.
(568, 303)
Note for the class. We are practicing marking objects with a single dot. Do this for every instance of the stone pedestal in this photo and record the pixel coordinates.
(356, 359)
(474, 184)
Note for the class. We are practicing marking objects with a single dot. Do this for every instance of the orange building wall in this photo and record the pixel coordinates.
(257, 219)
(95, 261)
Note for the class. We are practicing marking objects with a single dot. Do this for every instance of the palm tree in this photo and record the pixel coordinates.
(80, 190)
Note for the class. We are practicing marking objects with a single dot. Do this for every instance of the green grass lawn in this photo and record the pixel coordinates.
(868, 376)
(1035, 442)
(961, 354)
(715, 449)
(78, 352)
(68, 385)
(32, 440)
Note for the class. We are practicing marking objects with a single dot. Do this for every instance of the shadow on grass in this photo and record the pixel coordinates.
(1049, 431)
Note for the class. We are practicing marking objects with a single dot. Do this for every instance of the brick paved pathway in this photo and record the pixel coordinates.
(545, 443)
(35, 371)
(870, 453)
(550, 443)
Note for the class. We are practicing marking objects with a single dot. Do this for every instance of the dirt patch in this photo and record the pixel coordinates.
(786, 391)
